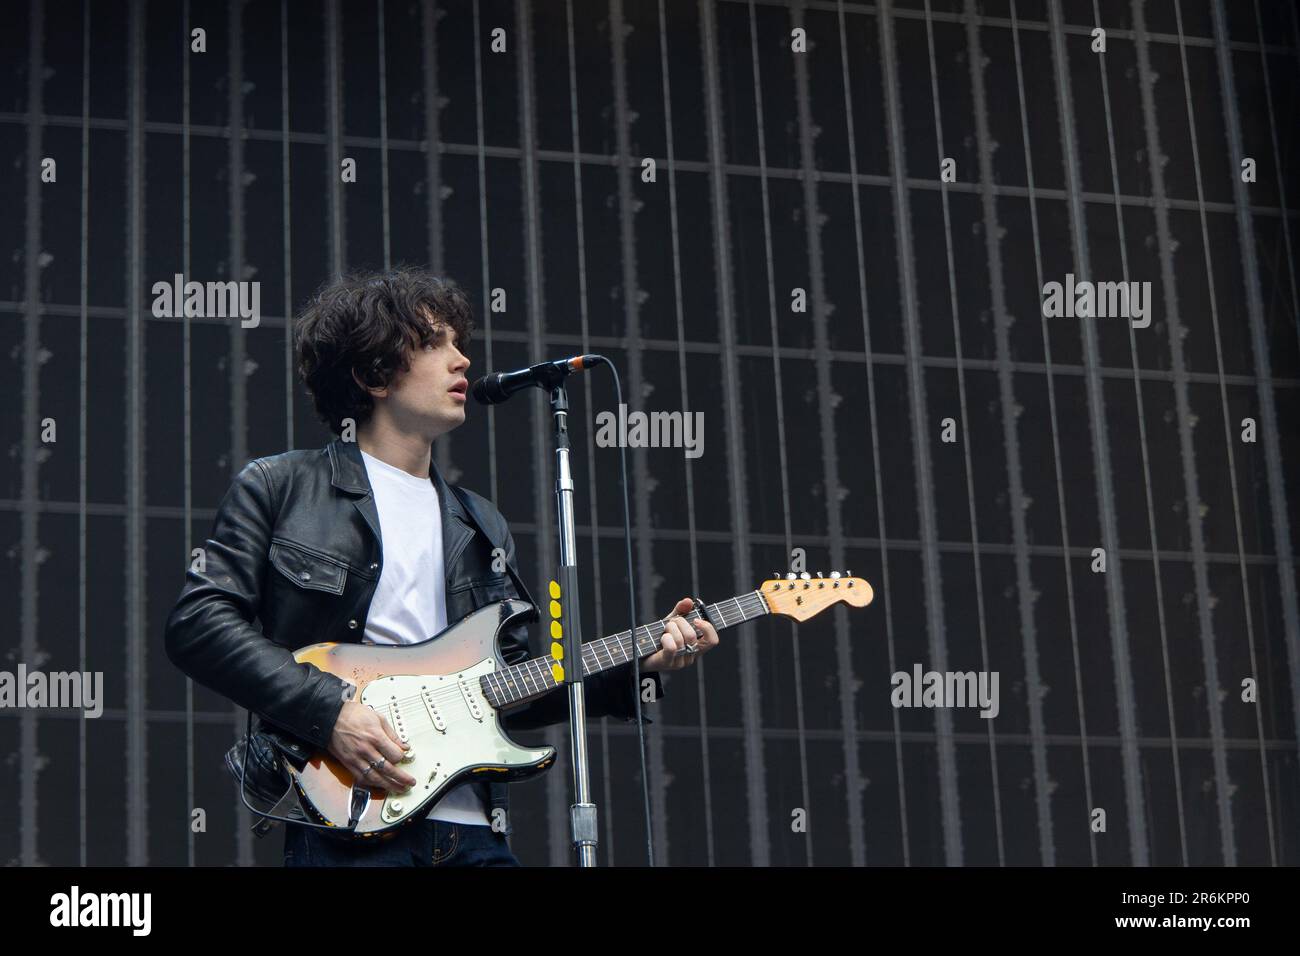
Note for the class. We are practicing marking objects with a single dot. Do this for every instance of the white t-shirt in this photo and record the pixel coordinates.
(410, 601)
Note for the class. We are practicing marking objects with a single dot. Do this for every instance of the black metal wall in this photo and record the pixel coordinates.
(778, 167)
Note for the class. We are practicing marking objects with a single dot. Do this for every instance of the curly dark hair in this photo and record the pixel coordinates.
(371, 322)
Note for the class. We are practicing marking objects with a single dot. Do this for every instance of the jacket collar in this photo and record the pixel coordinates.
(348, 473)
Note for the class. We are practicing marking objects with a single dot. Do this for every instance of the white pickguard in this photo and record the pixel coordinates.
(448, 726)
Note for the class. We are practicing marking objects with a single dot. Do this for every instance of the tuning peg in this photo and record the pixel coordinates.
(819, 574)
(789, 576)
(805, 575)
(835, 574)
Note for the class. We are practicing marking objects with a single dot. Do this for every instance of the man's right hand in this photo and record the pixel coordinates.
(361, 737)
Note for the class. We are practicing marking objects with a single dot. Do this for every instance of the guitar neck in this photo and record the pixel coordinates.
(537, 676)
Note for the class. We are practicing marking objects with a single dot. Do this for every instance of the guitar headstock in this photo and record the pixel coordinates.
(801, 596)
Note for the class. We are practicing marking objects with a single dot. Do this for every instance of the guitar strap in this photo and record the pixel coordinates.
(481, 525)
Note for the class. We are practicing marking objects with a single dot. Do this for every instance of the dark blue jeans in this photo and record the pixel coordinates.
(424, 843)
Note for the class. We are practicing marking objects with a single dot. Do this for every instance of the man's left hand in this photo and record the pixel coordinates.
(679, 637)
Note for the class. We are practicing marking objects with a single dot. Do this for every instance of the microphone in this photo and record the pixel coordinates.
(496, 387)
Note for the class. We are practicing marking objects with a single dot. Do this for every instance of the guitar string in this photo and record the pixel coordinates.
(537, 673)
(404, 704)
(414, 704)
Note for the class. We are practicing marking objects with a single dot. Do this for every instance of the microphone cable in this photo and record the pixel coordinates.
(591, 361)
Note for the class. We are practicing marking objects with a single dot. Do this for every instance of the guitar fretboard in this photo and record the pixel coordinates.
(535, 677)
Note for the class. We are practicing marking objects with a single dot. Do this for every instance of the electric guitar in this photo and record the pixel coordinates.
(444, 697)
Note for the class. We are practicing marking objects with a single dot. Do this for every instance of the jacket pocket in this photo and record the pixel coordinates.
(308, 569)
(306, 599)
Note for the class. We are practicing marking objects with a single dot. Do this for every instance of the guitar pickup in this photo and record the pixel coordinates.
(398, 724)
(426, 695)
(471, 699)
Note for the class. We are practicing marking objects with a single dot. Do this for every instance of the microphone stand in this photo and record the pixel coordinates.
(582, 812)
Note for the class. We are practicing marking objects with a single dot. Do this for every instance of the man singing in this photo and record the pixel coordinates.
(364, 541)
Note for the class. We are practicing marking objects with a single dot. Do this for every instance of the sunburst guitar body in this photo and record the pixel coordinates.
(434, 699)
(445, 698)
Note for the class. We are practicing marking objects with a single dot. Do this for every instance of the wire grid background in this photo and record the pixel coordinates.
(776, 170)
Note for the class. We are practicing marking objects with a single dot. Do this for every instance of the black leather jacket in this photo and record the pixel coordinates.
(296, 546)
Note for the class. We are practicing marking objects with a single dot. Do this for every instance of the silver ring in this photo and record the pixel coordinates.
(690, 649)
